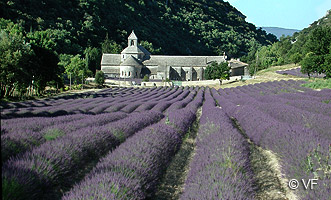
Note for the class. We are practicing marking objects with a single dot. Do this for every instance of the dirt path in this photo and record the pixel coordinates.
(270, 181)
(171, 185)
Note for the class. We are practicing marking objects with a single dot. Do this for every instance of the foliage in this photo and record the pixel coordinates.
(296, 58)
(100, 78)
(77, 69)
(310, 63)
(217, 71)
(172, 27)
(109, 46)
(318, 84)
(149, 47)
(310, 47)
(26, 60)
(146, 78)
(93, 58)
(15, 53)
(318, 58)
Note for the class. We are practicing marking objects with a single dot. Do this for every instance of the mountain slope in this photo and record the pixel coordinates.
(278, 32)
(173, 26)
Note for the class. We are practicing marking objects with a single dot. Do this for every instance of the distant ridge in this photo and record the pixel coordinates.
(280, 31)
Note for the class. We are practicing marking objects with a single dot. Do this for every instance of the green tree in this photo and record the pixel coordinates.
(217, 71)
(14, 58)
(99, 78)
(44, 63)
(310, 64)
(149, 47)
(109, 46)
(77, 69)
(93, 58)
(296, 58)
(318, 47)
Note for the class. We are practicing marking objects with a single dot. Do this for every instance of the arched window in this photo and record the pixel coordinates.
(136, 74)
(122, 73)
(125, 73)
(129, 73)
(132, 42)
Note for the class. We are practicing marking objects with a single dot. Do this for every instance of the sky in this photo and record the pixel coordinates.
(292, 14)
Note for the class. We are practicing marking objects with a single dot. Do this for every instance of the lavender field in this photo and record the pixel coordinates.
(119, 143)
(297, 72)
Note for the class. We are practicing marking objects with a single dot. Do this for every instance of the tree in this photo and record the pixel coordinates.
(77, 68)
(318, 47)
(310, 63)
(44, 63)
(99, 78)
(93, 59)
(217, 71)
(109, 46)
(14, 58)
(296, 58)
(149, 47)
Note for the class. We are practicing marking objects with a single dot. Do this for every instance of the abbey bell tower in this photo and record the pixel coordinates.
(132, 40)
(133, 49)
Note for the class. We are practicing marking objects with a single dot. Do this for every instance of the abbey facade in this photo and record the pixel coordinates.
(136, 62)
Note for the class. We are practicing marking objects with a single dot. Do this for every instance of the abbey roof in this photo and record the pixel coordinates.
(131, 61)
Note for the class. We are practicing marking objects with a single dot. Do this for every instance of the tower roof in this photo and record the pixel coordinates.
(132, 36)
(131, 61)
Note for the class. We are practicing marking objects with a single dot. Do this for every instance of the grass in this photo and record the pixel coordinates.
(317, 83)
(264, 76)
(53, 134)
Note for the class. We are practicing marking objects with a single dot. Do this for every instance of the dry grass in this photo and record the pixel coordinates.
(264, 76)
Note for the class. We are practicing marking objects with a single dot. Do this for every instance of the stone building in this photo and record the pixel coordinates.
(238, 68)
(136, 62)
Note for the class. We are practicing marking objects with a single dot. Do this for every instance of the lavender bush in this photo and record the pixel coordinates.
(54, 164)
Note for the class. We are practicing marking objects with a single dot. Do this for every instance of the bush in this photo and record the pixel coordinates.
(146, 78)
(100, 78)
(217, 71)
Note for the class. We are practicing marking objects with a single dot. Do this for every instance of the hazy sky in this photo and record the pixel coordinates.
(294, 14)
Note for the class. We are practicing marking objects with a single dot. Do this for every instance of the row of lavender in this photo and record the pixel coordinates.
(297, 72)
(63, 98)
(220, 168)
(88, 105)
(133, 170)
(294, 125)
(144, 104)
(23, 134)
(54, 161)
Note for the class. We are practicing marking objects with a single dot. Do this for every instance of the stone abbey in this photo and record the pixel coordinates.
(136, 62)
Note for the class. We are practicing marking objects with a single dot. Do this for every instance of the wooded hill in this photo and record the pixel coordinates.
(44, 42)
(314, 39)
(183, 27)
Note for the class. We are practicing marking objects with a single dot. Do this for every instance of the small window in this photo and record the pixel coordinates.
(123, 56)
(122, 73)
(137, 74)
(132, 43)
(129, 73)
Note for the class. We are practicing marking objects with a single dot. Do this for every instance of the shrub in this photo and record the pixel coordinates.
(146, 78)
(99, 78)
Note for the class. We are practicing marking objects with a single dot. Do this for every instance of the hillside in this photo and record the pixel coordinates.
(169, 27)
(294, 49)
(278, 32)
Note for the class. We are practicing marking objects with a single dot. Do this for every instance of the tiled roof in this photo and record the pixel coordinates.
(110, 59)
(131, 61)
